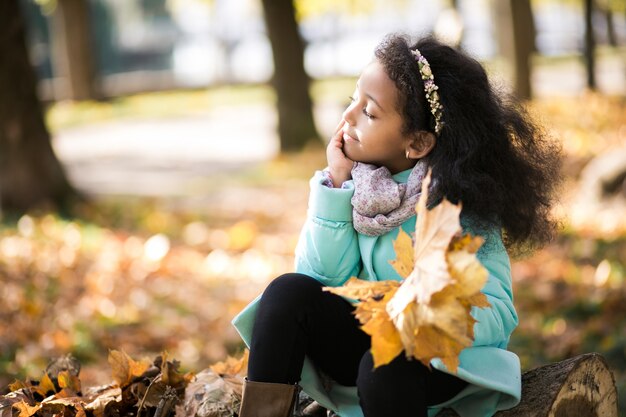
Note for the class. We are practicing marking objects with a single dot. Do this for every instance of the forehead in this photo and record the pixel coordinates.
(375, 82)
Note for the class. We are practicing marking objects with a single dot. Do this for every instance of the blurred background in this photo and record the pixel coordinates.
(154, 159)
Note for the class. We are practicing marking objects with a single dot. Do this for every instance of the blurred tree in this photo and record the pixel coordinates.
(73, 52)
(312, 8)
(449, 24)
(524, 33)
(589, 50)
(516, 39)
(30, 174)
(296, 126)
(607, 9)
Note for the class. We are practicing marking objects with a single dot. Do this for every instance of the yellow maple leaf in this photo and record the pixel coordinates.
(432, 307)
(434, 229)
(359, 289)
(232, 366)
(372, 314)
(124, 368)
(386, 342)
(433, 343)
(405, 260)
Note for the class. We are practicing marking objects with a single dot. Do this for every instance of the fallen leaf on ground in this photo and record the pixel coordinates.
(124, 368)
(26, 410)
(232, 366)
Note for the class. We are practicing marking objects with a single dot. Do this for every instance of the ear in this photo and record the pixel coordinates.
(420, 144)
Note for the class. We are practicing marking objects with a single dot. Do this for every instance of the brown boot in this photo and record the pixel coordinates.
(266, 399)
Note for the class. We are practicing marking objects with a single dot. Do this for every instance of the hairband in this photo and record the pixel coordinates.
(430, 88)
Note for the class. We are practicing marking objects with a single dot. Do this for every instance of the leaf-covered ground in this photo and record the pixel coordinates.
(151, 276)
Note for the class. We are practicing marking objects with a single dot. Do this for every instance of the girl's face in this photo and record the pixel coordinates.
(373, 129)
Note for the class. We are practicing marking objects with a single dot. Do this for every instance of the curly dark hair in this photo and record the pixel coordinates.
(490, 154)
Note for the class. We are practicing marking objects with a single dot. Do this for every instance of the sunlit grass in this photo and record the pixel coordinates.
(177, 103)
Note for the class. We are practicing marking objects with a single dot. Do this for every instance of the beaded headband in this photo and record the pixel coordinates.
(430, 88)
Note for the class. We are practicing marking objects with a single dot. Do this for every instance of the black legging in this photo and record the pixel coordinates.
(296, 318)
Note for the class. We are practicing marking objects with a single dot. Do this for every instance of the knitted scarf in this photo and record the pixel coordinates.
(379, 203)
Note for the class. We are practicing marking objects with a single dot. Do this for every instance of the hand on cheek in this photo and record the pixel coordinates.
(339, 165)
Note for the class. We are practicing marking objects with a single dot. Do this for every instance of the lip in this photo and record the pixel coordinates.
(348, 138)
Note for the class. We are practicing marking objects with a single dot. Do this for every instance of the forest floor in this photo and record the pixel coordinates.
(185, 231)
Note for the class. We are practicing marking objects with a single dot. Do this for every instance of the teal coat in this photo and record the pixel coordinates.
(330, 250)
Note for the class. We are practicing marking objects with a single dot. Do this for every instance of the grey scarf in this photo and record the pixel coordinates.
(380, 204)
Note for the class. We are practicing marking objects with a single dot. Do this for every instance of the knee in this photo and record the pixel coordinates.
(291, 291)
(401, 375)
(366, 380)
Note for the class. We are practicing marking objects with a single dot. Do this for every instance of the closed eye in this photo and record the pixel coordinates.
(365, 112)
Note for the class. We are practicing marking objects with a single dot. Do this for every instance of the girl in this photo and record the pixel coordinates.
(414, 107)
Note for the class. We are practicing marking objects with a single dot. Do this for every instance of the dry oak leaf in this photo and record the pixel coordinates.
(169, 372)
(9, 401)
(216, 392)
(124, 368)
(26, 410)
(58, 403)
(97, 398)
(210, 395)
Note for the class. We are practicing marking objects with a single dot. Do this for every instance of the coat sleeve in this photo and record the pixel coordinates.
(328, 247)
(496, 323)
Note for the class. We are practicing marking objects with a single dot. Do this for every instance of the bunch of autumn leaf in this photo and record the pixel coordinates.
(141, 388)
(427, 315)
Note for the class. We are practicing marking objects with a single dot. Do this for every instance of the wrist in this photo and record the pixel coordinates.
(338, 178)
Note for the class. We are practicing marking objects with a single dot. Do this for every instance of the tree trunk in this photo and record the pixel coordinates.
(590, 47)
(73, 57)
(523, 44)
(30, 174)
(515, 33)
(296, 126)
(582, 386)
(449, 26)
(610, 26)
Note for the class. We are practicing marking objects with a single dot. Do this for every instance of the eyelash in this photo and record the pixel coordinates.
(368, 115)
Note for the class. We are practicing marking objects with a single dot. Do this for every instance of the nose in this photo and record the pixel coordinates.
(348, 113)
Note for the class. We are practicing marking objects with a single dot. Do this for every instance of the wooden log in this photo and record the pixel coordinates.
(582, 386)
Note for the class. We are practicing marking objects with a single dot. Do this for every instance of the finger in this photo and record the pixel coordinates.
(336, 138)
(339, 126)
